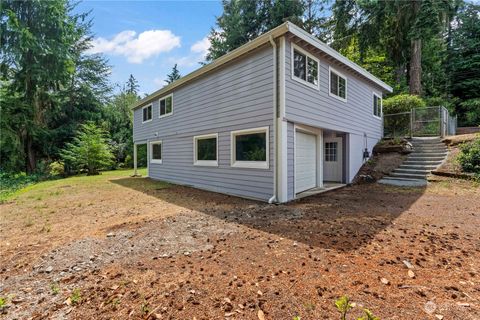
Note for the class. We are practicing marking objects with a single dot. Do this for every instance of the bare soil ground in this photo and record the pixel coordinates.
(115, 247)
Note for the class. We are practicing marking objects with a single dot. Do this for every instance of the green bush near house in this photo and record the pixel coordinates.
(402, 103)
(469, 156)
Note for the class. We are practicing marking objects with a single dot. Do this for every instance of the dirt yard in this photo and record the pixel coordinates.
(115, 247)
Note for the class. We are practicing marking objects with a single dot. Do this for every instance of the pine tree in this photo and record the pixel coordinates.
(132, 85)
(244, 20)
(89, 150)
(174, 75)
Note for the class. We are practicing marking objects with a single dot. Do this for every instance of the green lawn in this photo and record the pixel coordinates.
(10, 190)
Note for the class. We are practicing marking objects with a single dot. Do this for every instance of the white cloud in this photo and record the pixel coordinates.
(201, 47)
(159, 82)
(198, 53)
(137, 48)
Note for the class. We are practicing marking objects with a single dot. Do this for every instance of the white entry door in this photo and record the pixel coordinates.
(305, 161)
(333, 159)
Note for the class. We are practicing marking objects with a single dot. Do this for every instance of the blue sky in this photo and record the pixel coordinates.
(146, 38)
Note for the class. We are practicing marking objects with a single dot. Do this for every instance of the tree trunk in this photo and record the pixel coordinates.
(30, 161)
(416, 67)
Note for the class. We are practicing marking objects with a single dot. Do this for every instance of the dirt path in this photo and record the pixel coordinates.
(136, 248)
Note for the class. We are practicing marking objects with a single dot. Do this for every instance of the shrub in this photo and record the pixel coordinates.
(469, 156)
(90, 150)
(402, 103)
(471, 112)
(56, 168)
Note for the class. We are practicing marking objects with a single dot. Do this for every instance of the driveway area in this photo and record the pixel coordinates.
(116, 247)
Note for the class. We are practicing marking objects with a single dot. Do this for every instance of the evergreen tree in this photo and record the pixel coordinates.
(49, 83)
(463, 66)
(173, 75)
(89, 150)
(132, 85)
(244, 20)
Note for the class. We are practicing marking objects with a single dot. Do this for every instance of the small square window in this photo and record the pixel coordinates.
(377, 106)
(305, 68)
(156, 152)
(147, 113)
(166, 106)
(330, 151)
(338, 85)
(250, 148)
(205, 150)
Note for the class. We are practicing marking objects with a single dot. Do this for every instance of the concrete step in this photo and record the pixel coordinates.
(418, 167)
(425, 158)
(403, 182)
(422, 162)
(429, 148)
(412, 171)
(408, 175)
(428, 154)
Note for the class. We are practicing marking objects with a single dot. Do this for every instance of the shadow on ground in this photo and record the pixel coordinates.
(343, 220)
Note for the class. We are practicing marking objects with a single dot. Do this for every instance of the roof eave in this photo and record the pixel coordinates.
(302, 34)
(264, 38)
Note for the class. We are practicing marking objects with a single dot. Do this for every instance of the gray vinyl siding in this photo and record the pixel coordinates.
(290, 160)
(317, 108)
(237, 96)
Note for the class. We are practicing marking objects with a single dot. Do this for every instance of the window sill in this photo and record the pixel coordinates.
(378, 117)
(146, 121)
(306, 83)
(156, 161)
(337, 97)
(206, 163)
(165, 115)
(250, 164)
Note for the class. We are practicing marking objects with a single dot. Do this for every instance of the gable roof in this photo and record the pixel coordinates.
(262, 39)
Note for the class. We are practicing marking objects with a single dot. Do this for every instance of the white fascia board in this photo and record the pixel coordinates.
(264, 38)
(302, 34)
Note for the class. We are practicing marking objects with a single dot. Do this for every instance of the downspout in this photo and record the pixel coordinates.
(275, 155)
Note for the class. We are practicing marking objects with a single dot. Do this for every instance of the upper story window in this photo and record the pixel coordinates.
(338, 85)
(206, 150)
(156, 152)
(305, 67)
(250, 148)
(377, 105)
(147, 113)
(166, 106)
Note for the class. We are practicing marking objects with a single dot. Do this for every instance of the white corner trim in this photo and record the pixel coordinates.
(163, 98)
(205, 163)
(374, 94)
(282, 131)
(250, 164)
(144, 107)
(330, 70)
(308, 55)
(151, 143)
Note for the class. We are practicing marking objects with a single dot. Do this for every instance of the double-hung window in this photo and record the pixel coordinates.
(166, 106)
(205, 150)
(250, 148)
(377, 106)
(156, 151)
(338, 85)
(304, 67)
(147, 113)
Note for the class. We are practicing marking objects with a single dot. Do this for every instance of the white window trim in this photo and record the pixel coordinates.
(144, 107)
(163, 98)
(305, 82)
(381, 105)
(156, 161)
(250, 164)
(208, 163)
(330, 70)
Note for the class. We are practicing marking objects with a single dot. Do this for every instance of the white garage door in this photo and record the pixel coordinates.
(305, 162)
